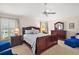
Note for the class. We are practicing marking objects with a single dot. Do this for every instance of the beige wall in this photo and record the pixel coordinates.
(28, 21)
(66, 21)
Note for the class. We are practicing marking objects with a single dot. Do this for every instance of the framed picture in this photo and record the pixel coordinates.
(71, 25)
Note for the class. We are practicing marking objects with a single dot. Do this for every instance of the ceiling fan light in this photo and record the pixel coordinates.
(47, 10)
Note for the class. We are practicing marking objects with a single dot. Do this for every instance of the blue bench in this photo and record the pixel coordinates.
(4, 45)
(6, 52)
(5, 48)
(72, 42)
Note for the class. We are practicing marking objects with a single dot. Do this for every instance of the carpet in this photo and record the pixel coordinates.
(60, 49)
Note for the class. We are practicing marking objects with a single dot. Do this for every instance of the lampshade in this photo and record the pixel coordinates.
(16, 31)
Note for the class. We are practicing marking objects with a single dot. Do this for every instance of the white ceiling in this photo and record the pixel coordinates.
(20, 8)
(35, 9)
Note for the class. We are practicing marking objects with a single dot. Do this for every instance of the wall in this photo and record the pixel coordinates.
(67, 20)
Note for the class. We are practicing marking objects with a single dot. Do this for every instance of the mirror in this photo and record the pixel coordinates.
(59, 26)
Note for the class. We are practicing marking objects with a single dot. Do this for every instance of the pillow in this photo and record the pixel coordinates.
(77, 36)
(34, 31)
(28, 31)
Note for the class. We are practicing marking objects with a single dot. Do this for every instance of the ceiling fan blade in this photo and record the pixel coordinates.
(51, 12)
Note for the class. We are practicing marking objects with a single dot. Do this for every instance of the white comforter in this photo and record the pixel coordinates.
(31, 39)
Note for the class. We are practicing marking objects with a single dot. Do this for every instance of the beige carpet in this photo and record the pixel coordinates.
(22, 50)
(59, 49)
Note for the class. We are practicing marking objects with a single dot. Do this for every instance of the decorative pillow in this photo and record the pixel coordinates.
(34, 31)
(28, 31)
(77, 36)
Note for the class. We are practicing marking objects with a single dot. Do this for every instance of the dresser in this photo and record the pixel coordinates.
(61, 34)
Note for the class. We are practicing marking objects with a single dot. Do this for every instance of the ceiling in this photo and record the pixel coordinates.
(20, 8)
(36, 9)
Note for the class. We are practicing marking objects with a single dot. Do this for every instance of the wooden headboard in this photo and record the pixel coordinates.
(29, 28)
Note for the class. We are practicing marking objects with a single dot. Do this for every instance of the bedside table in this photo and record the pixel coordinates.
(16, 40)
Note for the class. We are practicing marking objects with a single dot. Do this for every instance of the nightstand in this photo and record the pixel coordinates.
(16, 40)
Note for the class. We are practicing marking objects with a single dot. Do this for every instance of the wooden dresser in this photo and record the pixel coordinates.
(61, 34)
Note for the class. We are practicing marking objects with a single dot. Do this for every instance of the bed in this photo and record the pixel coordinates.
(37, 41)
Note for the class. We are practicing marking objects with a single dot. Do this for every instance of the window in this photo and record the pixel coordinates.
(7, 26)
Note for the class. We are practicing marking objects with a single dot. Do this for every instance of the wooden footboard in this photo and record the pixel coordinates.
(43, 43)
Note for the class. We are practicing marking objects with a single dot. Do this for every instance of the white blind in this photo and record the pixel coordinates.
(7, 25)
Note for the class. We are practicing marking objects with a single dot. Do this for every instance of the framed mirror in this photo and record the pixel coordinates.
(59, 26)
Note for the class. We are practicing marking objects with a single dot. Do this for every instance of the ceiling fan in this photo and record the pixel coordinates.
(46, 11)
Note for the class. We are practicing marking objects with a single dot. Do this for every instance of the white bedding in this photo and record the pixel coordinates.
(31, 39)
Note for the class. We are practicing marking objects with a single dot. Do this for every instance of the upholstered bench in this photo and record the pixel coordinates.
(4, 45)
(72, 42)
(5, 48)
(6, 52)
